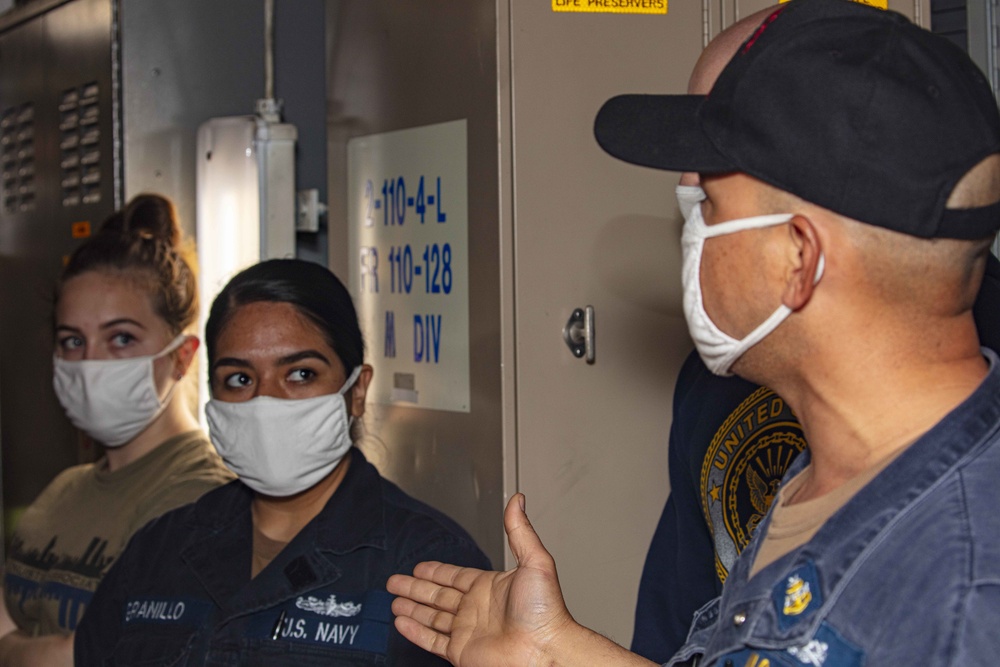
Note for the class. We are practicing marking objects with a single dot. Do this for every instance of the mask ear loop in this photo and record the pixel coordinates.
(704, 231)
(171, 347)
(351, 379)
(772, 322)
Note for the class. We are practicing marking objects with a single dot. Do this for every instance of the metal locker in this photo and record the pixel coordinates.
(61, 176)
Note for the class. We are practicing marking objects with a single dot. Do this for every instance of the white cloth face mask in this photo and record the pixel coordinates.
(718, 349)
(111, 400)
(278, 446)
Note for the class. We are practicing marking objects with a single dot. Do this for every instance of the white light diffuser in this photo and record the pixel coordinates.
(245, 205)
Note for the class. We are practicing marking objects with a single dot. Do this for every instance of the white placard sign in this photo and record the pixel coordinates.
(408, 235)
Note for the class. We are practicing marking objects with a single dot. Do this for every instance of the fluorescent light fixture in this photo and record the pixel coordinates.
(245, 205)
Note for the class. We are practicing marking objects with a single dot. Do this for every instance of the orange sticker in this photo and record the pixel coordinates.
(81, 230)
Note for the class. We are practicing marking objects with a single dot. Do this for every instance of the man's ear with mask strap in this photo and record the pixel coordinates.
(806, 265)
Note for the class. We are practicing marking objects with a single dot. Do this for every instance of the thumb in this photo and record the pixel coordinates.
(524, 541)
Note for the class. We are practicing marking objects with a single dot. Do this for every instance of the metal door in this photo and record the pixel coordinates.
(591, 230)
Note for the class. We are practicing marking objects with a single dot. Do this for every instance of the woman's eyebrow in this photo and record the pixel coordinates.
(120, 321)
(231, 361)
(305, 354)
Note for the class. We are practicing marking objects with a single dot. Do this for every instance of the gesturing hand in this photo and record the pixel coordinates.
(475, 618)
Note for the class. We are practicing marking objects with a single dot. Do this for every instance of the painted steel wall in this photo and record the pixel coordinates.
(396, 64)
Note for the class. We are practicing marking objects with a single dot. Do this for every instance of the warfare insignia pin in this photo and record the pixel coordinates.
(799, 593)
(813, 653)
(329, 606)
(797, 596)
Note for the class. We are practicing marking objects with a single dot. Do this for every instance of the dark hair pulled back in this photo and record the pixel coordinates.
(312, 289)
(143, 242)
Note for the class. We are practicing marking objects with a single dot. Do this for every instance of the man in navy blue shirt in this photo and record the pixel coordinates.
(849, 168)
(720, 450)
(731, 442)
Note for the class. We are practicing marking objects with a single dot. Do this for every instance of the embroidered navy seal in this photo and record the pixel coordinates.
(742, 470)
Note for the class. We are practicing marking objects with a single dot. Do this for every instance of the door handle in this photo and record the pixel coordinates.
(579, 334)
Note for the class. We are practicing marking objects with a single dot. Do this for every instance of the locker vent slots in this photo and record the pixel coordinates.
(79, 137)
(17, 148)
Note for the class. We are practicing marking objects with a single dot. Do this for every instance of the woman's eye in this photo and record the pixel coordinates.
(301, 375)
(238, 381)
(71, 342)
(122, 339)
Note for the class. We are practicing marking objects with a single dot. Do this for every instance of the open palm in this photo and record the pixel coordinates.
(475, 618)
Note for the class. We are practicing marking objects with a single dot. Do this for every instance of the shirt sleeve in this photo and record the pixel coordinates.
(978, 640)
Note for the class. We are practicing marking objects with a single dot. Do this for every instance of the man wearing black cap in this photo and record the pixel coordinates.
(850, 190)
(731, 442)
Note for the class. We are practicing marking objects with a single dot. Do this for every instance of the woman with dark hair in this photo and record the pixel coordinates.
(288, 565)
(124, 307)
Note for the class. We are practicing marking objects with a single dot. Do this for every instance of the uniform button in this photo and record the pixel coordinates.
(729, 663)
(739, 619)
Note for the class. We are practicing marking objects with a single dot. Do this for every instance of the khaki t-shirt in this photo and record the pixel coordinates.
(69, 537)
(792, 525)
(264, 551)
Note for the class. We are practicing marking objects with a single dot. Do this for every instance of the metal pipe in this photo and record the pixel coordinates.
(269, 49)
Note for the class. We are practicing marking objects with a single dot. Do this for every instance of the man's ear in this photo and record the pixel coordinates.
(805, 263)
(359, 391)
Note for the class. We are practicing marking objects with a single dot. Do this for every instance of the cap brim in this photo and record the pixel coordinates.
(659, 131)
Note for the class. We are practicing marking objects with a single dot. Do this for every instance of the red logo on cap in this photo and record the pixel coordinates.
(761, 28)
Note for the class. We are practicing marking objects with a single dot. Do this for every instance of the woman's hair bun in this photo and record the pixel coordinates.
(148, 217)
(145, 240)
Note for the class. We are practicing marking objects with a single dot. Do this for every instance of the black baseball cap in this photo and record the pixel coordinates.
(849, 107)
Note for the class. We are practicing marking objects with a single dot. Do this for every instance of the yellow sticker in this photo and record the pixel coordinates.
(611, 6)
(881, 4)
